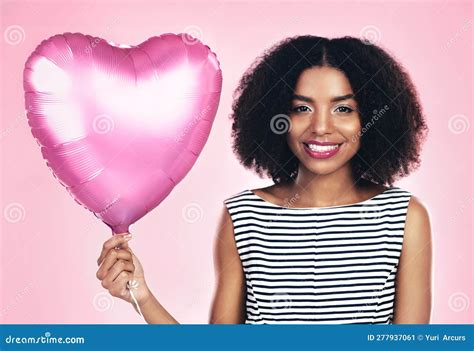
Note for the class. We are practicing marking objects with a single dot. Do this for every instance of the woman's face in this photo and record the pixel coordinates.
(325, 123)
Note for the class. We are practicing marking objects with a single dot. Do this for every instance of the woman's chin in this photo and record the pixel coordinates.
(321, 169)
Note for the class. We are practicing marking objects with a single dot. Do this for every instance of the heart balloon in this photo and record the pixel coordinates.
(120, 126)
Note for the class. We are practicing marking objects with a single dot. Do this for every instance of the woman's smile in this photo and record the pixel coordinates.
(323, 150)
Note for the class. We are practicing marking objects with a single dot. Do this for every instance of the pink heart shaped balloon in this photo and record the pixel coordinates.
(118, 125)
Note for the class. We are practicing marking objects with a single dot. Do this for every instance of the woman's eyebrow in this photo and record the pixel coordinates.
(334, 99)
(343, 97)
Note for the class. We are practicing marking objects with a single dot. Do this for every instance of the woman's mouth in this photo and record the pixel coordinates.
(321, 151)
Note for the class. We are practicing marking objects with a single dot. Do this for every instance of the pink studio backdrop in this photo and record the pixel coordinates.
(49, 244)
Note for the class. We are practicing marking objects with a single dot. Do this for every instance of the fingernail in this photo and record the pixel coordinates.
(128, 236)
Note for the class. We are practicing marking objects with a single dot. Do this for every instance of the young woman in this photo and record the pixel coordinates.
(333, 122)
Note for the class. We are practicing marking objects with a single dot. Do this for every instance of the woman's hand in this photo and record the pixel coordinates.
(118, 266)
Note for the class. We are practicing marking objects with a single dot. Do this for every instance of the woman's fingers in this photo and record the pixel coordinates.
(118, 240)
(119, 285)
(120, 269)
(110, 259)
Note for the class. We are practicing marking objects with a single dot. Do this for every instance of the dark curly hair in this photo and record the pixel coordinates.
(390, 143)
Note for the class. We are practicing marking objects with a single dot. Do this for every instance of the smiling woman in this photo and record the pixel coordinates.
(333, 240)
(304, 79)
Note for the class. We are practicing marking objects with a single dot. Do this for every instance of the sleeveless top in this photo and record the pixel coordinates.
(320, 265)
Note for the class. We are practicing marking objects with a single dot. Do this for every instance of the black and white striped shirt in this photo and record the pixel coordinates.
(325, 265)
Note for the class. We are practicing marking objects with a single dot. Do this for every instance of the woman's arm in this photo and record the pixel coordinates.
(229, 298)
(413, 279)
(154, 313)
(228, 306)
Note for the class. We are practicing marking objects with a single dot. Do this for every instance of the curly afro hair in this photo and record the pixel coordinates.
(393, 126)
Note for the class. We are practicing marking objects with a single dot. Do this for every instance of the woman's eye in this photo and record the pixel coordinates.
(344, 109)
(300, 109)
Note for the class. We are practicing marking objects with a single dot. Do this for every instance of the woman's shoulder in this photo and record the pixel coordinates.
(417, 209)
(417, 233)
(415, 205)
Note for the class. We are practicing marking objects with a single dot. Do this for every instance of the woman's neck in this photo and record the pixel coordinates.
(339, 187)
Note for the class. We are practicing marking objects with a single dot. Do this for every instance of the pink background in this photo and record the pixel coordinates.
(49, 244)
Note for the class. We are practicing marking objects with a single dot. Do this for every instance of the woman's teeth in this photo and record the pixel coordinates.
(321, 148)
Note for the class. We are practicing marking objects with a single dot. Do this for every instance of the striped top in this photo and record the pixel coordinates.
(322, 265)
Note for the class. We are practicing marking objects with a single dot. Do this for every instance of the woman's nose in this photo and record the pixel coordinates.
(321, 123)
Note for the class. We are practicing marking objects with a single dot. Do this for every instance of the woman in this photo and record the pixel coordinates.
(334, 122)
